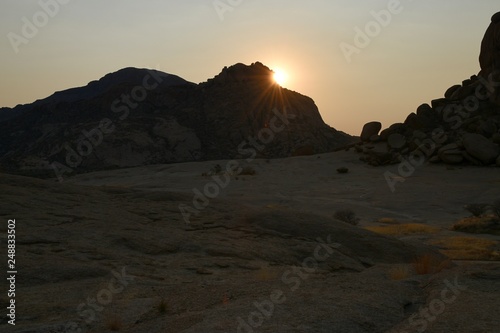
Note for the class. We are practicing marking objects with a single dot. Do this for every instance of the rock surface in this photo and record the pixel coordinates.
(259, 235)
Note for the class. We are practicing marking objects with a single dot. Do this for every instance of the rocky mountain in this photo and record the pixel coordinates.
(138, 117)
(463, 127)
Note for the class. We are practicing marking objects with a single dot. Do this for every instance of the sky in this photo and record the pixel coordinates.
(359, 60)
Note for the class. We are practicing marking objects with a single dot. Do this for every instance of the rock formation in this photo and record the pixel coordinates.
(137, 117)
(462, 127)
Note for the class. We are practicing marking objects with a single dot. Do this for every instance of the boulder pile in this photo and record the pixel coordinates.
(463, 127)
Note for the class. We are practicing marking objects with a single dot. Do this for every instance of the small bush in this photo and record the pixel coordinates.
(347, 216)
(476, 209)
(343, 170)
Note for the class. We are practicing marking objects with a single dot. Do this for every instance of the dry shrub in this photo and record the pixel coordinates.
(476, 209)
(403, 229)
(347, 216)
(429, 264)
(399, 273)
(163, 306)
(468, 248)
(343, 170)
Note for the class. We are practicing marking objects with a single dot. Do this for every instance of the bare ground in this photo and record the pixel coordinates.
(110, 251)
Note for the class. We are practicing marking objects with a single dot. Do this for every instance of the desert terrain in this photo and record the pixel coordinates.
(111, 251)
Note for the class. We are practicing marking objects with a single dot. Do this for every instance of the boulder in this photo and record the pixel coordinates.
(451, 154)
(441, 102)
(496, 18)
(487, 128)
(394, 128)
(370, 129)
(489, 59)
(396, 141)
(413, 121)
(449, 93)
(496, 138)
(424, 120)
(471, 160)
(481, 148)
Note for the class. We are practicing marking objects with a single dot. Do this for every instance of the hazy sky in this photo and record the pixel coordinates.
(424, 47)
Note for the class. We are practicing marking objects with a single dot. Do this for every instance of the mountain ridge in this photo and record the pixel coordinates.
(136, 117)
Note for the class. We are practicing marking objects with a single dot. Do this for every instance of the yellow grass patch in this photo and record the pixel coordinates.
(387, 220)
(266, 274)
(403, 229)
(468, 248)
(399, 273)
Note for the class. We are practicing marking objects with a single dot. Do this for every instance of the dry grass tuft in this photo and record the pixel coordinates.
(163, 306)
(404, 229)
(468, 248)
(429, 264)
(478, 225)
(399, 273)
(266, 274)
(476, 209)
(114, 323)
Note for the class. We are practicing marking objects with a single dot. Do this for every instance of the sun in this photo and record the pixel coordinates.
(280, 76)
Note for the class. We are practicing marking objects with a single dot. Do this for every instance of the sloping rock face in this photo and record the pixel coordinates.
(462, 127)
(138, 117)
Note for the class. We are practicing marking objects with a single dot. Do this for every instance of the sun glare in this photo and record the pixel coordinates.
(280, 77)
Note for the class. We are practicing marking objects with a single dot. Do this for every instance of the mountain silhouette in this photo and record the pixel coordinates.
(137, 117)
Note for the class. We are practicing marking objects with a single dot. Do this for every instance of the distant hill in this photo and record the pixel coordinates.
(138, 117)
